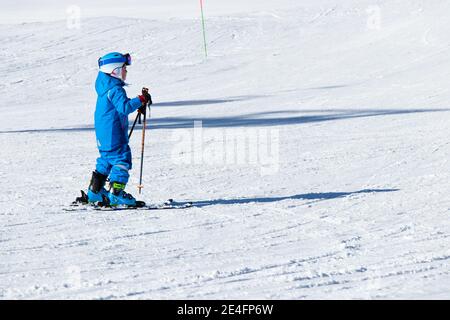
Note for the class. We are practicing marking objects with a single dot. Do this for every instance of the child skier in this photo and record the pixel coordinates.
(111, 130)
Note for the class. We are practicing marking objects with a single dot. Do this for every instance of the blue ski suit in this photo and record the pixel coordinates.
(111, 127)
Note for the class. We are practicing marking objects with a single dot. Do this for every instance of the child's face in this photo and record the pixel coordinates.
(124, 72)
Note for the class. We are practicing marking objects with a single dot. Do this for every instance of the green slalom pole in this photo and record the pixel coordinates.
(203, 25)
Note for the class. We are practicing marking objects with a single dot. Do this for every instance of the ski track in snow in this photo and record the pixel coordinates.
(358, 208)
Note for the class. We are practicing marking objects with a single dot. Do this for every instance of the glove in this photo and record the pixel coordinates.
(145, 98)
(142, 109)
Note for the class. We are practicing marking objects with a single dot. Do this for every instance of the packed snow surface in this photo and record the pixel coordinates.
(321, 170)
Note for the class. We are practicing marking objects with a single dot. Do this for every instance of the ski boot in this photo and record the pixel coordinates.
(96, 189)
(118, 197)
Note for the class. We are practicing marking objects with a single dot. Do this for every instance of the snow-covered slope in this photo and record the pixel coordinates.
(347, 197)
(19, 11)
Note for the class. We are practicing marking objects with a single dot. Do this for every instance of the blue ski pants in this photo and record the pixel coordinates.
(115, 164)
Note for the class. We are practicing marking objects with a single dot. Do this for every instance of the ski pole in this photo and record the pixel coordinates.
(134, 125)
(203, 26)
(140, 186)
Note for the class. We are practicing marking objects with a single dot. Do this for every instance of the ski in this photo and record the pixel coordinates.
(162, 206)
(81, 205)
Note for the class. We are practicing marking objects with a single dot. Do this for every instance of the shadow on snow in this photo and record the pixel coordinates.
(275, 118)
(281, 118)
(184, 103)
(307, 196)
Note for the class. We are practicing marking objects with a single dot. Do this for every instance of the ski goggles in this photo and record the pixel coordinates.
(125, 59)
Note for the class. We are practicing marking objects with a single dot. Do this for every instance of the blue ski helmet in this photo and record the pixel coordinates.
(109, 62)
